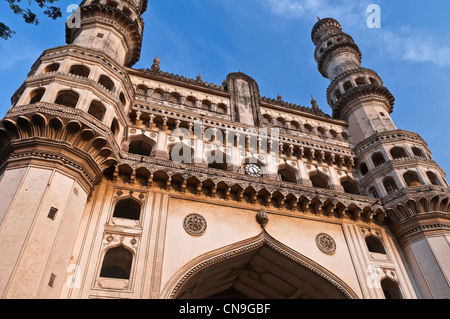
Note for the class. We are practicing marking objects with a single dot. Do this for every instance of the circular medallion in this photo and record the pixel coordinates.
(194, 224)
(326, 243)
(253, 170)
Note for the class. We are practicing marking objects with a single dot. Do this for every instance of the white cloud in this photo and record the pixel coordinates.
(409, 45)
(406, 43)
(348, 12)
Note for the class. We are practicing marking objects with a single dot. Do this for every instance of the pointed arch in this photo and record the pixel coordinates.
(141, 145)
(128, 208)
(391, 288)
(320, 180)
(288, 173)
(117, 263)
(334, 285)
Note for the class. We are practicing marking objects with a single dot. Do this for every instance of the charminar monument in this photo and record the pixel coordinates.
(129, 183)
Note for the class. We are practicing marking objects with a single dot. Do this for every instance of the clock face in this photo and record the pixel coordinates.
(253, 170)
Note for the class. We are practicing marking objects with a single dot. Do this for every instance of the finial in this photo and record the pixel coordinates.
(314, 102)
(279, 98)
(156, 61)
(318, 18)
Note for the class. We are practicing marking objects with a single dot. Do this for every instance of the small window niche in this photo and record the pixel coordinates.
(391, 289)
(115, 272)
(376, 248)
(127, 213)
(52, 213)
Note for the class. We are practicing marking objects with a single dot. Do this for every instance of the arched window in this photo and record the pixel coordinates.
(378, 159)
(350, 187)
(287, 175)
(390, 185)
(319, 181)
(140, 147)
(374, 245)
(360, 81)
(411, 179)
(113, 4)
(417, 152)
(158, 94)
(373, 81)
(117, 263)
(141, 90)
(398, 152)
(181, 153)
(67, 98)
(433, 179)
(51, 68)
(106, 82)
(221, 108)
(128, 209)
(206, 105)
(348, 86)
(373, 192)
(97, 110)
(308, 128)
(337, 95)
(175, 98)
(191, 101)
(122, 99)
(36, 95)
(126, 12)
(391, 289)
(115, 128)
(80, 70)
(363, 169)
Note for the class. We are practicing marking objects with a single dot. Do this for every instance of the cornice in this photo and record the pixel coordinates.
(379, 138)
(310, 112)
(346, 74)
(231, 178)
(414, 192)
(346, 45)
(397, 164)
(362, 93)
(422, 225)
(175, 79)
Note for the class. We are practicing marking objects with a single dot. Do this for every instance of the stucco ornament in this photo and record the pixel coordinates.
(326, 243)
(195, 224)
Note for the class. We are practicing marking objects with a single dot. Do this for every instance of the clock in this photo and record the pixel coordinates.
(253, 170)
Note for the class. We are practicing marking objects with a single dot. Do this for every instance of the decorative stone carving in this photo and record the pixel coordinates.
(195, 224)
(326, 243)
(262, 218)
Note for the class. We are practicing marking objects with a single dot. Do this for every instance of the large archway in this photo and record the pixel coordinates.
(258, 268)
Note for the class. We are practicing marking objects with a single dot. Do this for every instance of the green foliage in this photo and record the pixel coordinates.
(29, 16)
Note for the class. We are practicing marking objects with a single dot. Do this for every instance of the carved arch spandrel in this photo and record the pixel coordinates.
(181, 277)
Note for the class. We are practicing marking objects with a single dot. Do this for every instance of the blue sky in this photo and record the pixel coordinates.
(270, 41)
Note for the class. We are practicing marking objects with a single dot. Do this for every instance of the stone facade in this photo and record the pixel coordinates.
(135, 183)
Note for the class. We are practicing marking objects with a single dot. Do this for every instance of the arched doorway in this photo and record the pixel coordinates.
(259, 268)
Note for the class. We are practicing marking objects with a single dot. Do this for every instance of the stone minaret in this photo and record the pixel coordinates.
(394, 165)
(62, 131)
(112, 27)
